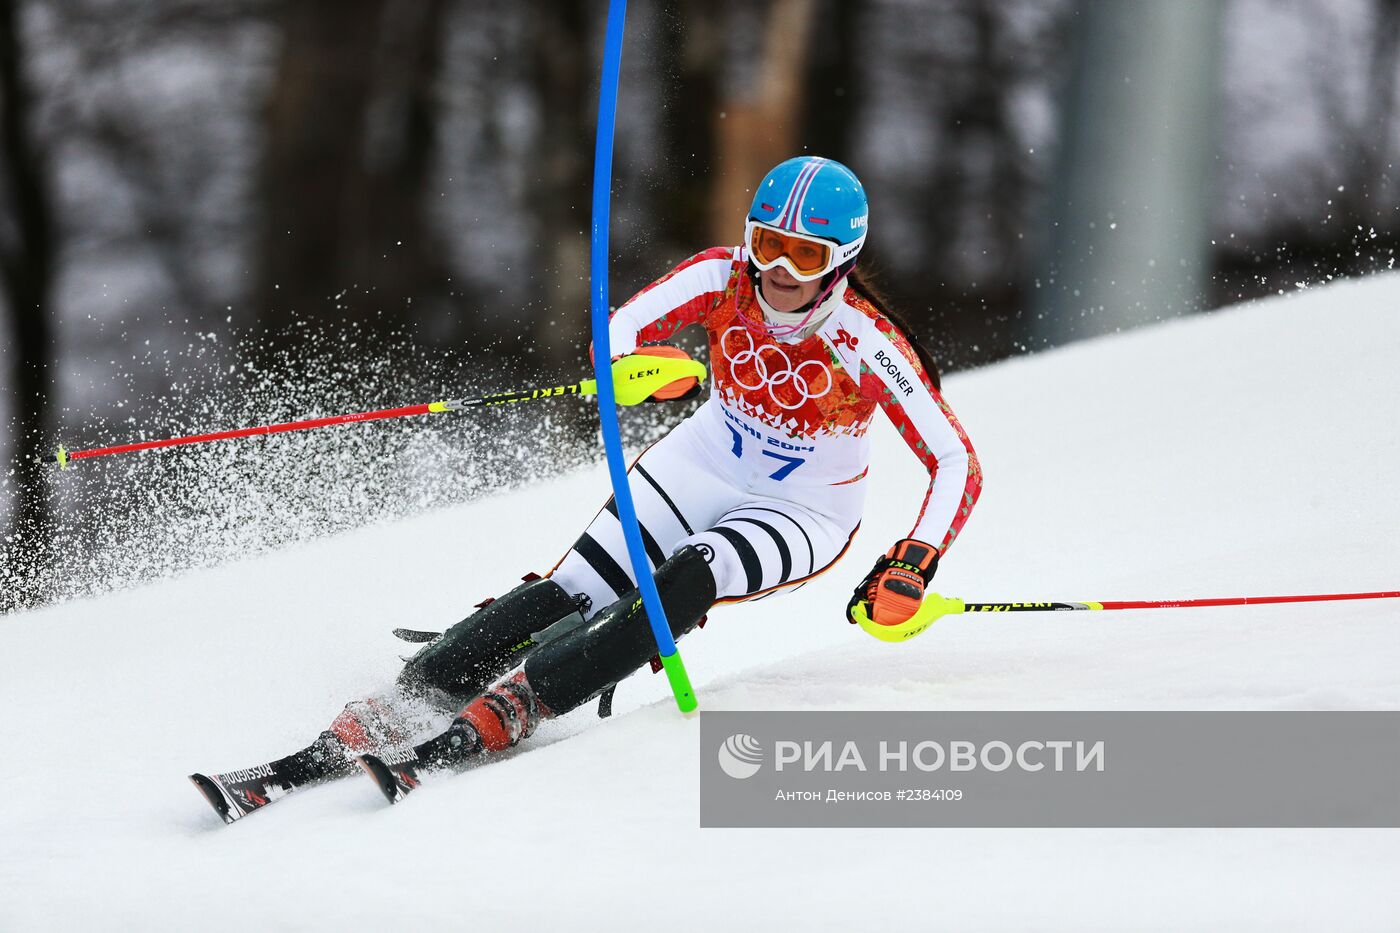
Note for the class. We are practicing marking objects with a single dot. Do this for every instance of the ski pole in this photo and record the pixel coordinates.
(638, 377)
(934, 607)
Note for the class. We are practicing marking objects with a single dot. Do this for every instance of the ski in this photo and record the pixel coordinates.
(235, 794)
(396, 773)
(395, 780)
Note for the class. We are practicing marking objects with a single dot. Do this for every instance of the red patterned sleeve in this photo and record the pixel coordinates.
(679, 298)
(928, 425)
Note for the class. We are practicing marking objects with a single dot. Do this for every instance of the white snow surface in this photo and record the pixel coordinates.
(1252, 451)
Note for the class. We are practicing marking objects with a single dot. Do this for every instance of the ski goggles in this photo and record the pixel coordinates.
(806, 258)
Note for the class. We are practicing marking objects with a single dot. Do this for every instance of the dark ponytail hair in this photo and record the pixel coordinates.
(859, 281)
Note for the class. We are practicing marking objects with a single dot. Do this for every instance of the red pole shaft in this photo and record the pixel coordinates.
(305, 425)
(1243, 600)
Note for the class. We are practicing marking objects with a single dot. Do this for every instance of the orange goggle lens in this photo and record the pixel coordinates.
(808, 256)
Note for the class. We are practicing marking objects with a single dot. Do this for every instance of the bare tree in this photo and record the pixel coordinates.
(313, 170)
(27, 257)
(693, 46)
(832, 83)
(401, 252)
(351, 134)
(1330, 210)
(563, 84)
(1372, 141)
(760, 122)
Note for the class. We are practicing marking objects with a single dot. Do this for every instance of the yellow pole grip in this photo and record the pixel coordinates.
(933, 608)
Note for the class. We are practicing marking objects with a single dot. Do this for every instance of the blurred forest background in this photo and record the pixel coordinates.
(216, 212)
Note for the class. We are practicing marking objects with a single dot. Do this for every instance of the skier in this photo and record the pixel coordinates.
(761, 489)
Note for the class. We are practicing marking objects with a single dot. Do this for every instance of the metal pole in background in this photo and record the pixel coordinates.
(1128, 239)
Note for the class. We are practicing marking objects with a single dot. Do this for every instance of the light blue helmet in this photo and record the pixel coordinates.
(813, 197)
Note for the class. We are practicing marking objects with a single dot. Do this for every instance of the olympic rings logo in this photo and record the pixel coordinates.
(773, 371)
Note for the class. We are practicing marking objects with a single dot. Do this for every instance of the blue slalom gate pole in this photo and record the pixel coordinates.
(602, 362)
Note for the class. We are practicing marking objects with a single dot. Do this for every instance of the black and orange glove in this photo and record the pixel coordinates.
(894, 588)
(681, 389)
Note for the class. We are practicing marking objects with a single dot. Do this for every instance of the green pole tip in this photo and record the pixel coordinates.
(680, 682)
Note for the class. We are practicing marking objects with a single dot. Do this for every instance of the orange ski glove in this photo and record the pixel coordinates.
(684, 388)
(894, 588)
(681, 389)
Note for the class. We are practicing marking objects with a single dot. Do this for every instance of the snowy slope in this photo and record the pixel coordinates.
(1253, 451)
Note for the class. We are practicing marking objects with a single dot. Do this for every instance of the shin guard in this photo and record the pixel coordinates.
(567, 671)
(473, 653)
